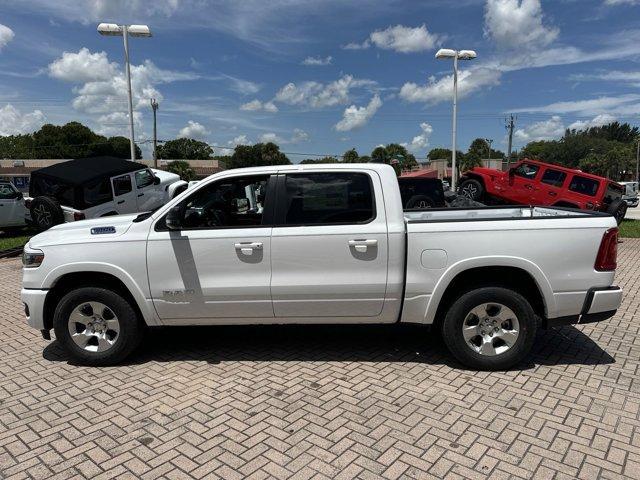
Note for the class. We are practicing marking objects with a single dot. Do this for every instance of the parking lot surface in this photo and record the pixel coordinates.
(322, 402)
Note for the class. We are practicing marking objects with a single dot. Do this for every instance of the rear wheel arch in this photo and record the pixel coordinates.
(509, 277)
(72, 281)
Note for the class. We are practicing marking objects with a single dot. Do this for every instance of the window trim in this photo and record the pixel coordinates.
(548, 169)
(281, 208)
(267, 214)
(113, 186)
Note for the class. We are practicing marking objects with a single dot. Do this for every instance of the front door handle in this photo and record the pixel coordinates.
(120, 202)
(361, 245)
(553, 194)
(528, 187)
(247, 248)
(141, 195)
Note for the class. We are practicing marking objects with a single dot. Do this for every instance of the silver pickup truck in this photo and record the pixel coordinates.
(321, 244)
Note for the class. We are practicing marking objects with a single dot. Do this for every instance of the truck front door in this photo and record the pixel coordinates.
(217, 265)
(329, 247)
(149, 195)
(522, 183)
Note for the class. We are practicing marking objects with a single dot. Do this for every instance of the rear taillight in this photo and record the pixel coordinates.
(607, 258)
(78, 216)
(27, 203)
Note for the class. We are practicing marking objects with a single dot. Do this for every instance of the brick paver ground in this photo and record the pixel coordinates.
(320, 402)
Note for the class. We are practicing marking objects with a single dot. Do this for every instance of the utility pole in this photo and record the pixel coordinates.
(154, 107)
(489, 143)
(510, 125)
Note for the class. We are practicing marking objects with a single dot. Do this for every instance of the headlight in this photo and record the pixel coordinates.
(32, 258)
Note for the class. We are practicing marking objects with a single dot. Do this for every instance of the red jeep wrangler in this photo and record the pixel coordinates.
(530, 182)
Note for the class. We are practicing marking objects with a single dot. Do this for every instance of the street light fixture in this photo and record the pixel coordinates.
(445, 54)
(114, 30)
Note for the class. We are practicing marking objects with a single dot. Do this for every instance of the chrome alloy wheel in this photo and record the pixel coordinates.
(490, 329)
(94, 327)
(470, 191)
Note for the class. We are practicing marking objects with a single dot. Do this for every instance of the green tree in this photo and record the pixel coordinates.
(185, 148)
(182, 168)
(260, 154)
(351, 156)
(442, 154)
(394, 151)
(311, 161)
(380, 155)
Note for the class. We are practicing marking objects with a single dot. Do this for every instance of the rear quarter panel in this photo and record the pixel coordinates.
(559, 253)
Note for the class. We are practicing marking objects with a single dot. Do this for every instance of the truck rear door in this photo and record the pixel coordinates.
(329, 246)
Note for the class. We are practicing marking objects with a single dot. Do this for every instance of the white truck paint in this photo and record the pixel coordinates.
(12, 208)
(395, 267)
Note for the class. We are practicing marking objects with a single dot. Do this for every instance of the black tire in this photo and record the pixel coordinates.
(420, 201)
(46, 212)
(472, 188)
(130, 327)
(464, 351)
(618, 209)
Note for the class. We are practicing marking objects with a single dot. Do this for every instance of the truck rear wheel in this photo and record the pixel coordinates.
(472, 188)
(96, 326)
(490, 328)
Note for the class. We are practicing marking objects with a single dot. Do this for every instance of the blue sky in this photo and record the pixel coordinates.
(323, 76)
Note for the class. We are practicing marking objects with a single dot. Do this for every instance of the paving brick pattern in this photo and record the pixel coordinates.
(319, 402)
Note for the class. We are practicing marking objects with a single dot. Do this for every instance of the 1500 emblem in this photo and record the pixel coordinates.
(102, 230)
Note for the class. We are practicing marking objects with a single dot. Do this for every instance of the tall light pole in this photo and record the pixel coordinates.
(154, 107)
(489, 143)
(447, 53)
(113, 30)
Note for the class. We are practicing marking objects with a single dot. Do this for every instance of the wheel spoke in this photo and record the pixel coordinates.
(81, 339)
(487, 348)
(469, 332)
(507, 336)
(103, 343)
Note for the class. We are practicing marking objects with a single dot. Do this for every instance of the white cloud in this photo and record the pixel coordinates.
(517, 24)
(440, 90)
(631, 77)
(257, 105)
(544, 130)
(298, 136)
(357, 46)
(404, 39)
(193, 130)
(239, 140)
(317, 61)
(597, 121)
(356, 117)
(83, 66)
(6, 35)
(103, 86)
(622, 2)
(318, 95)
(242, 86)
(117, 123)
(14, 122)
(621, 105)
(420, 142)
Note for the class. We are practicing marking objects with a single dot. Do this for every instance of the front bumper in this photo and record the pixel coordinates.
(600, 304)
(33, 300)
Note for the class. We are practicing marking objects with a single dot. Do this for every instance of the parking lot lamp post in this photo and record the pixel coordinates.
(114, 30)
(447, 53)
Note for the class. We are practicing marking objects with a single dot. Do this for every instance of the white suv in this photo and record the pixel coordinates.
(97, 187)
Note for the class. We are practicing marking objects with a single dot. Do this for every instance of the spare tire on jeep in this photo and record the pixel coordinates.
(45, 213)
(618, 208)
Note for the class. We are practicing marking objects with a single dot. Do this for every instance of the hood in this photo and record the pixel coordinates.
(81, 232)
(166, 178)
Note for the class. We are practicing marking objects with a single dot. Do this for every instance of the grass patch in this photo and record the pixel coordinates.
(630, 228)
(7, 242)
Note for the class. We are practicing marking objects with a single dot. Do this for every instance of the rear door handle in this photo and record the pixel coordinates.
(120, 202)
(363, 244)
(247, 248)
(141, 194)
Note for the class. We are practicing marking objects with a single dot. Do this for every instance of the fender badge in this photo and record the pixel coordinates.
(102, 230)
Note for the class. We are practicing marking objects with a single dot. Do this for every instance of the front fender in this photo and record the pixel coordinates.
(493, 261)
(146, 306)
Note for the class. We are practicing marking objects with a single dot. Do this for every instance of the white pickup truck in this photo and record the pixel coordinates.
(321, 244)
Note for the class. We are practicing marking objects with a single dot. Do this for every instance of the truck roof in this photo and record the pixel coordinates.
(379, 167)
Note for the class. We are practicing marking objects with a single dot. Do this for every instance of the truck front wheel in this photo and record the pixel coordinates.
(96, 326)
(490, 328)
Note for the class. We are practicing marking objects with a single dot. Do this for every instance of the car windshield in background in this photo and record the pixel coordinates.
(584, 185)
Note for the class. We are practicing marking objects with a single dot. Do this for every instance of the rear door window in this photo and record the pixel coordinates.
(584, 185)
(122, 185)
(97, 193)
(328, 199)
(553, 177)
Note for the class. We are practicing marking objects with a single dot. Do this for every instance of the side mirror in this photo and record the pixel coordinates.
(174, 218)
(156, 180)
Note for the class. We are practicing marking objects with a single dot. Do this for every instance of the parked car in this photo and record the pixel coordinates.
(12, 208)
(97, 187)
(321, 244)
(631, 193)
(530, 182)
(419, 193)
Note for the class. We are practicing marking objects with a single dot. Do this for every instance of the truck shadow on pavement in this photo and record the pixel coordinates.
(337, 343)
